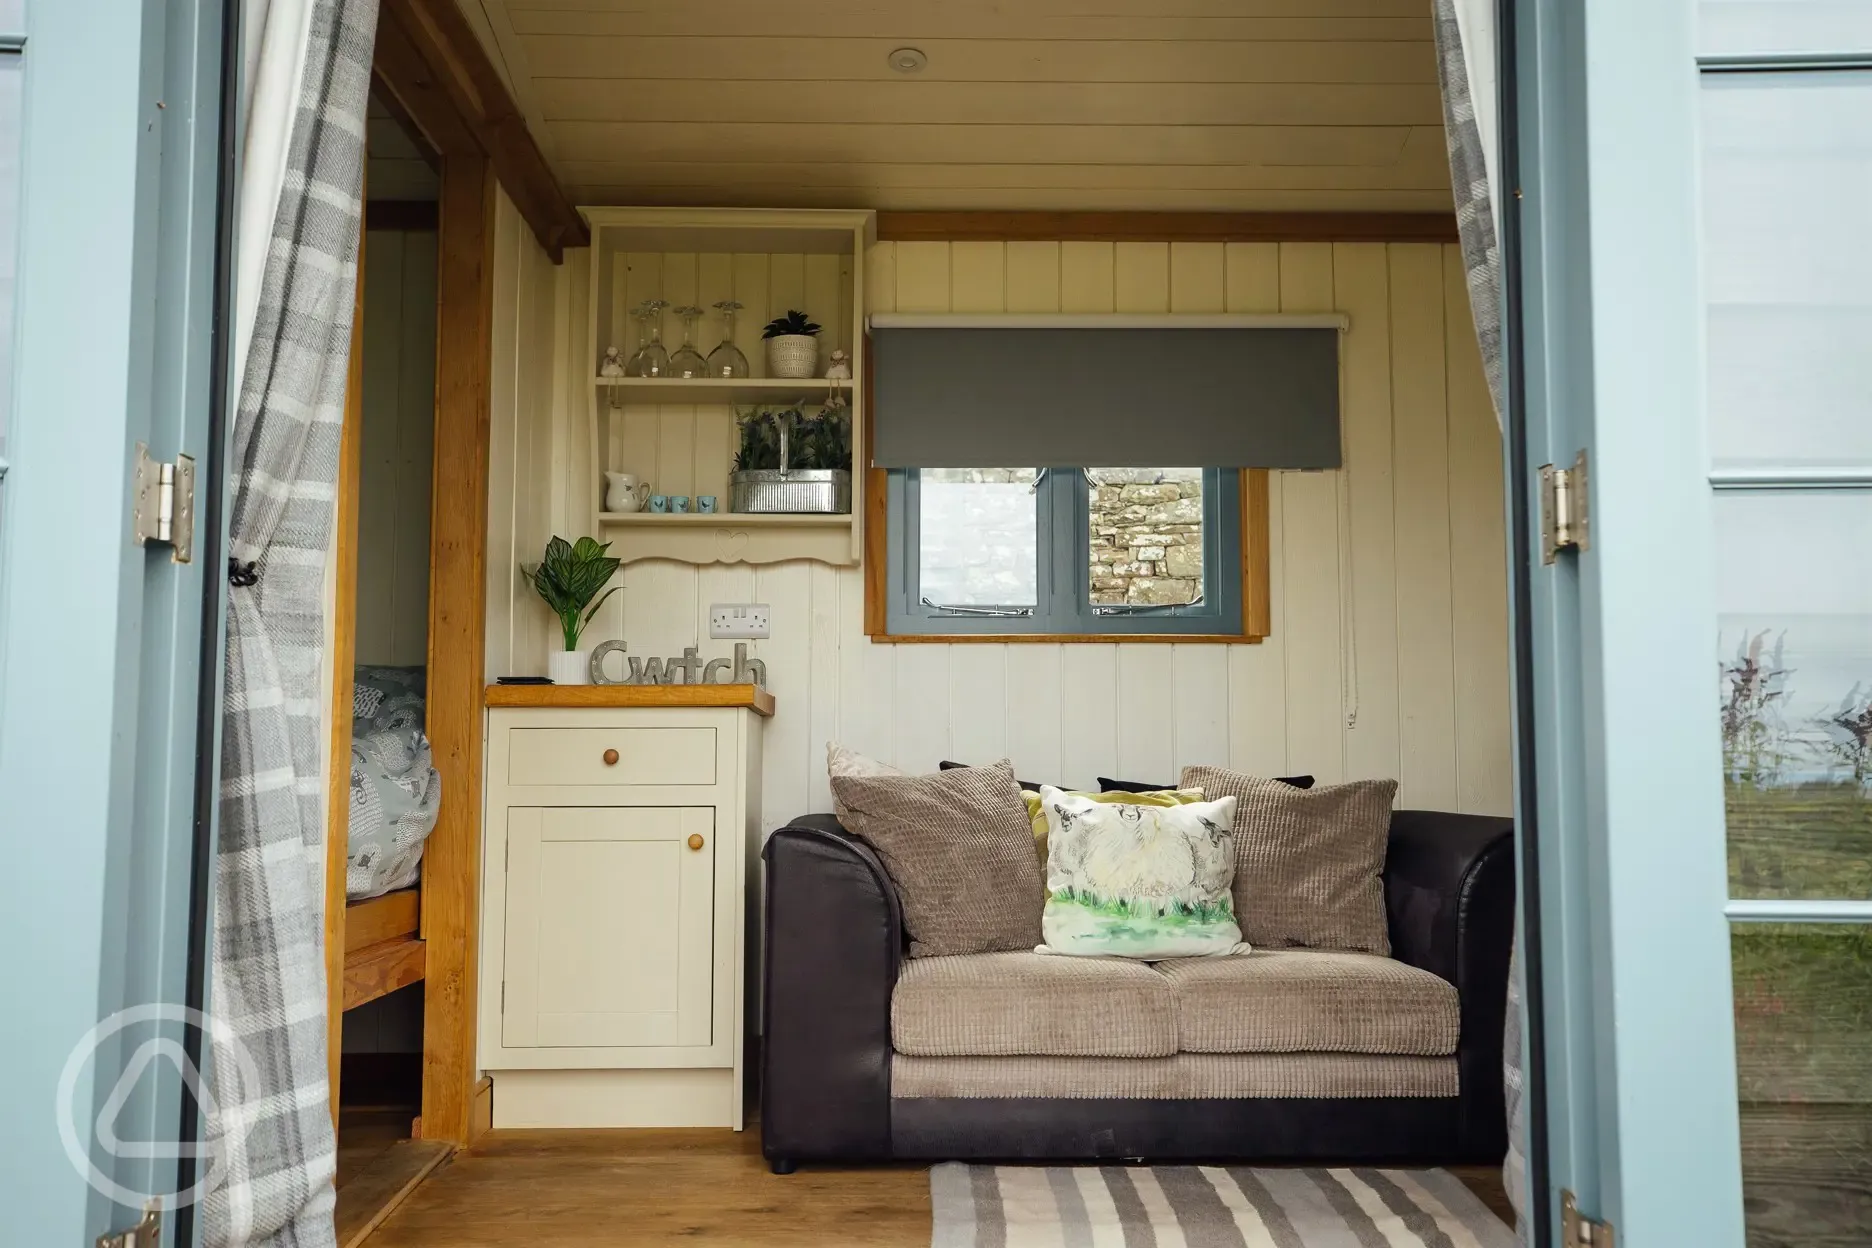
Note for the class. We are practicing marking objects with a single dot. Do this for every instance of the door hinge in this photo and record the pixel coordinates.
(163, 508)
(145, 1234)
(1580, 1231)
(1563, 509)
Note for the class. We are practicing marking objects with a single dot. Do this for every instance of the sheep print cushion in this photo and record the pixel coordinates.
(1132, 881)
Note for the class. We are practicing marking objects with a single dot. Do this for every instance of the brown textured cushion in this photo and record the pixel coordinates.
(1186, 1076)
(991, 1004)
(1302, 1001)
(959, 848)
(1307, 861)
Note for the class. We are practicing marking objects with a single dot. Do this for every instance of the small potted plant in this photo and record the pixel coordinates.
(569, 577)
(792, 345)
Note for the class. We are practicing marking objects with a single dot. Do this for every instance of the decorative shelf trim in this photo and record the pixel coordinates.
(1109, 320)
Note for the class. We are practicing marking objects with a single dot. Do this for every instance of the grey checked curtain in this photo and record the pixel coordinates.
(1467, 64)
(270, 1118)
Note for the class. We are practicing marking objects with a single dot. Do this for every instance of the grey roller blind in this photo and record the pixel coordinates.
(1207, 395)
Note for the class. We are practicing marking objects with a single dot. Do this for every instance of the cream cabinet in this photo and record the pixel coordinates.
(621, 859)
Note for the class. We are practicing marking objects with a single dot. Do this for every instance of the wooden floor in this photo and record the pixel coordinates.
(603, 1189)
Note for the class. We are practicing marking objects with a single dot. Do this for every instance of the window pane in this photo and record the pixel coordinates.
(979, 537)
(1803, 1018)
(1766, 27)
(1146, 536)
(1795, 662)
(1787, 172)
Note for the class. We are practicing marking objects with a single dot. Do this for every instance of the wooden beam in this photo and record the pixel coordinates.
(382, 918)
(381, 969)
(451, 872)
(414, 92)
(455, 68)
(343, 643)
(400, 214)
(1174, 227)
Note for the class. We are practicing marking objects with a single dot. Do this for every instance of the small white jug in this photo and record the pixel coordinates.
(624, 492)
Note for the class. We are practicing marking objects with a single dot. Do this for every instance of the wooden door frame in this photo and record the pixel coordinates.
(432, 71)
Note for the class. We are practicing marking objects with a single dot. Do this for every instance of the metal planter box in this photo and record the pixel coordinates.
(821, 491)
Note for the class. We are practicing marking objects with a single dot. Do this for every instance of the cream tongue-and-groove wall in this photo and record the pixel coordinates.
(1390, 648)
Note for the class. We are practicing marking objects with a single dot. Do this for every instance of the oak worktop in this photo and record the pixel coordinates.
(750, 697)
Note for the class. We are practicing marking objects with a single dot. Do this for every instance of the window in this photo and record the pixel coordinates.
(1067, 551)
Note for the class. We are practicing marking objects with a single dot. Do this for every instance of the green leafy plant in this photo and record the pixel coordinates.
(823, 442)
(568, 577)
(794, 322)
(760, 442)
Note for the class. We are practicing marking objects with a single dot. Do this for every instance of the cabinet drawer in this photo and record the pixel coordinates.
(642, 756)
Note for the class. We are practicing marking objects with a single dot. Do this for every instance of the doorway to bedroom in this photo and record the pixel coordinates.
(385, 799)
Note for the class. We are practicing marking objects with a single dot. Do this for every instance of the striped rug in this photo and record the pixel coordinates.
(1206, 1207)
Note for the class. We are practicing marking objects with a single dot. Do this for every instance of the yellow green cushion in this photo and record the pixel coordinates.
(1158, 797)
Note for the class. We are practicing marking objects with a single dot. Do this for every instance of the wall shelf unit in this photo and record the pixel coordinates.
(680, 434)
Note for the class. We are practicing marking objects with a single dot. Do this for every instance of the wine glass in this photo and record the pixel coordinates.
(727, 360)
(687, 361)
(651, 360)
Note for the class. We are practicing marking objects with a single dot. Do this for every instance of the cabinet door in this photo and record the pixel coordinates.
(610, 918)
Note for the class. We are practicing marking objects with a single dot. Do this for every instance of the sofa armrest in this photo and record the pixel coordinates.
(834, 942)
(1450, 896)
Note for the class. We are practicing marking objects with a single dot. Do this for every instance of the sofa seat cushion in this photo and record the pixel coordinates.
(992, 1004)
(1185, 1077)
(1308, 1001)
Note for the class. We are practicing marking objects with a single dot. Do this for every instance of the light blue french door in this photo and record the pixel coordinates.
(1618, 639)
(110, 122)
(1696, 315)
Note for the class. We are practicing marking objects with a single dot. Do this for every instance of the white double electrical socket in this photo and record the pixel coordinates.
(739, 619)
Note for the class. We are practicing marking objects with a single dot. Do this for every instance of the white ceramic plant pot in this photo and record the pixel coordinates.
(569, 667)
(793, 355)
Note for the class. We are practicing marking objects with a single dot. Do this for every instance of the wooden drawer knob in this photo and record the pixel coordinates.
(695, 840)
(610, 757)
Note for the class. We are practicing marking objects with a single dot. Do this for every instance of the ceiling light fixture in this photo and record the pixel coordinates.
(908, 60)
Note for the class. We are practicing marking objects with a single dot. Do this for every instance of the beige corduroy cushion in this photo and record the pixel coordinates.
(991, 1004)
(1185, 1076)
(960, 850)
(1305, 1001)
(1308, 862)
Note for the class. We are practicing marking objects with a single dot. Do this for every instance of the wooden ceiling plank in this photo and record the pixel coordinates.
(975, 199)
(1073, 9)
(1032, 103)
(1324, 146)
(733, 57)
(1181, 227)
(918, 22)
(869, 176)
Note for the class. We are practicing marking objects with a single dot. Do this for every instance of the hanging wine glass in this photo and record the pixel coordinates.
(651, 360)
(727, 360)
(687, 361)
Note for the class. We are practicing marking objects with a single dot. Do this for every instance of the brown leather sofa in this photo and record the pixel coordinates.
(1281, 1055)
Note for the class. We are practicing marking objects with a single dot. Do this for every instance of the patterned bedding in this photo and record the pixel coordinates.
(395, 789)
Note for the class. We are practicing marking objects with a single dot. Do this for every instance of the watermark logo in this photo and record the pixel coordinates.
(159, 1024)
